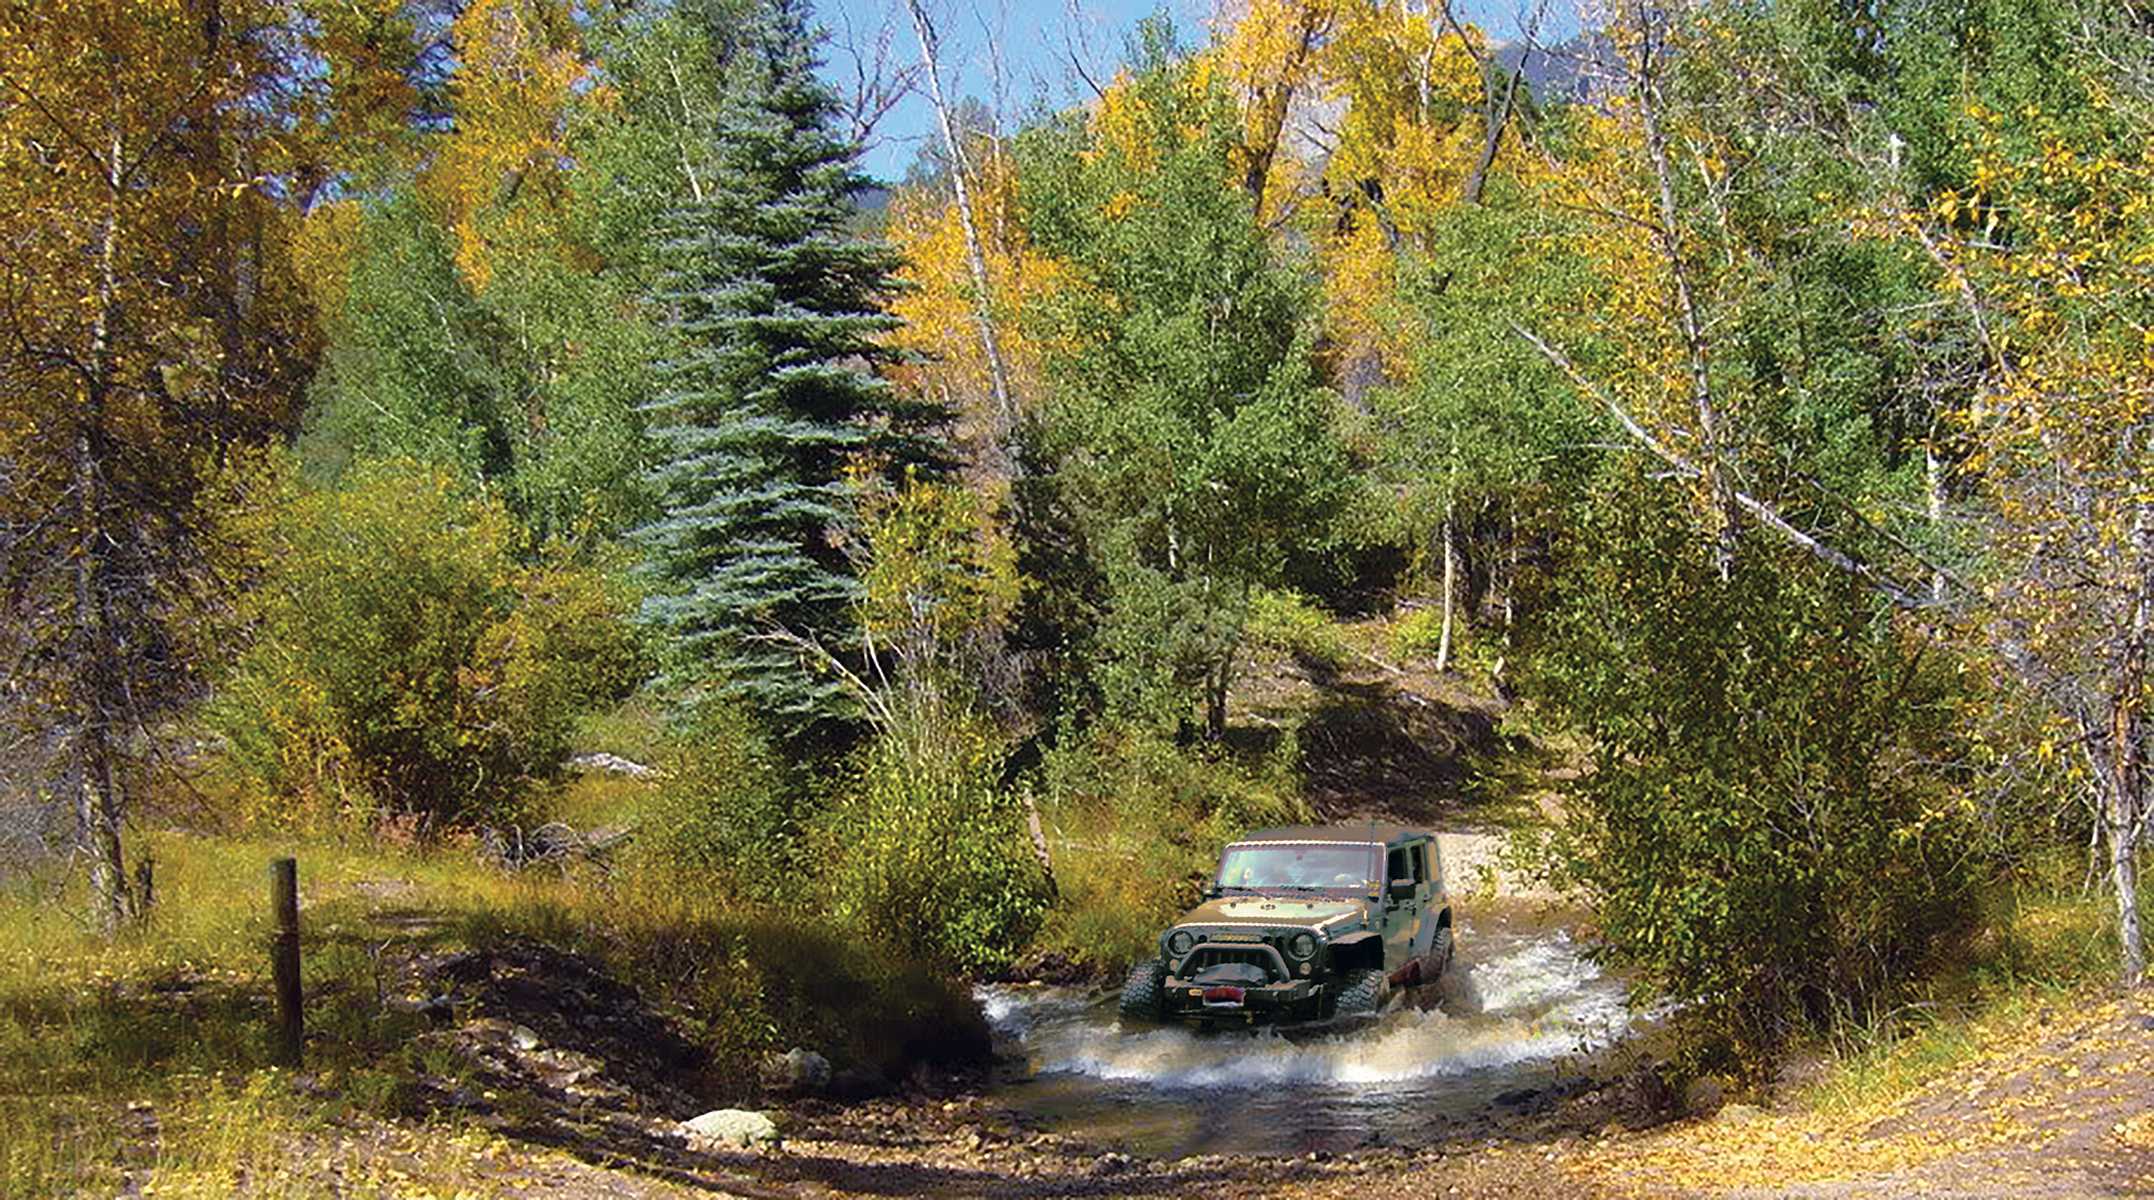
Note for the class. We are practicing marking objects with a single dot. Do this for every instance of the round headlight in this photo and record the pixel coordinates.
(1303, 945)
(1180, 942)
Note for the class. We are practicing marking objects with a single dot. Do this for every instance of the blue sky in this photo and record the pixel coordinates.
(1037, 40)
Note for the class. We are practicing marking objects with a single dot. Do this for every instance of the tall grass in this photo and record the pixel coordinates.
(151, 1053)
(150, 1058)
(1135, 824)
(2043, 938)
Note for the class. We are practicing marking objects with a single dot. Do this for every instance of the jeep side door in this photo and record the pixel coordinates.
(1401, 924)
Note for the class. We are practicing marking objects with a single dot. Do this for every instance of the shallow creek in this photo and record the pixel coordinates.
(1520, 1011)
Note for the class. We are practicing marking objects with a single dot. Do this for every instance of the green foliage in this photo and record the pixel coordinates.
(400, 657)
(1190, 445)
(415, 364)
(1136, 823)
(531, 385)
(1418, 634)
(930, 852)
(1483, 418)
(1766, 835)
(935, 582)
(1287, 621)
(775, 308)
(928, 848)
(726, 818)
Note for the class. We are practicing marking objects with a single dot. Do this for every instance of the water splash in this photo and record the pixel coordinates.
(1521, 1000)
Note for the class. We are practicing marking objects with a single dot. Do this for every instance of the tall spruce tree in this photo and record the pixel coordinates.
(770, 393)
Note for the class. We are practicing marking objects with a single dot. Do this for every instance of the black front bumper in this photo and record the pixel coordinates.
(1185, 1000)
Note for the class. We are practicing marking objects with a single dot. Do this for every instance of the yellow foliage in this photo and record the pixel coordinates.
(1361, 295)
(521, 68)
(938, 303)
(323, 249)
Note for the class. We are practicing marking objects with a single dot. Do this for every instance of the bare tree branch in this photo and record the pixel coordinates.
(878, 82)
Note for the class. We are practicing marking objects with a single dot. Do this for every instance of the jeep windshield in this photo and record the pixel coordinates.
(1298, 866)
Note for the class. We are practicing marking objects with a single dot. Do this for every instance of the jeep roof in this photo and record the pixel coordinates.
(1372, 834)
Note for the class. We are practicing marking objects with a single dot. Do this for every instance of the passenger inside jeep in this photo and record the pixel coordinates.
(1295, 867)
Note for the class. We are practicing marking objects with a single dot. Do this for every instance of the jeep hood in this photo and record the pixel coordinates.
(1312, 912)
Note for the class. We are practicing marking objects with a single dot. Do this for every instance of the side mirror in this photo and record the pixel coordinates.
(1402, 889)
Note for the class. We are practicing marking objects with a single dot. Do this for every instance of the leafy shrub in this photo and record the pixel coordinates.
(726, 817)
(930, 851)
(1135, 824)
(1766, 835)
(1419, 634)
(401, 658)
(1287, 621)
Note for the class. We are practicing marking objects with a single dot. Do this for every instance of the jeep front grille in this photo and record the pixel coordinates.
(1211, 954)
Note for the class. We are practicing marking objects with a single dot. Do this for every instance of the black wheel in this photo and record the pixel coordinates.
(1140, 993)
(1439, 956)
(1359, 993)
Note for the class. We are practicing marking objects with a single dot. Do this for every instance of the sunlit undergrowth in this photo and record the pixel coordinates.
(152, 1053)
(1288, 621)
(151, 1057)
(1134, 824)
(2045, 940)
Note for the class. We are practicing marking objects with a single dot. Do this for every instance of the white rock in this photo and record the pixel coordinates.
(730, 1128)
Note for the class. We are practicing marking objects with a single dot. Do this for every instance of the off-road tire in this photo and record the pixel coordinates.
(1439, 955)
(1141, 993)
(1359, 994)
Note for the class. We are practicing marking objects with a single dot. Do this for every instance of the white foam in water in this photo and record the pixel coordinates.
(1538, 1000)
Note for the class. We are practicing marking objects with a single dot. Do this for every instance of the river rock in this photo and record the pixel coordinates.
(1648, 1091)
(796, 1072)
(729, 1129)
(1704, 1096)
(1110, 1164)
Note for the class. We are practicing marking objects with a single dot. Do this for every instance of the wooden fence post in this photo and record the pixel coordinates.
(284, 957)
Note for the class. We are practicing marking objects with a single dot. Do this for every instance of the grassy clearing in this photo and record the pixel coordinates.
(148, 1060)
(150, 1055)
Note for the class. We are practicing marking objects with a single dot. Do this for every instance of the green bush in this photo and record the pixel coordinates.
(1419, 634)
(401, 658)
(727, 817)
(1135, 823)
(929, 851)
(1767, 834)
(1287, 621)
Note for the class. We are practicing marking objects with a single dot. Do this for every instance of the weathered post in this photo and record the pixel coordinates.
(284, 957)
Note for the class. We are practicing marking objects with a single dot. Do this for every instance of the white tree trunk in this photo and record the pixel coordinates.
(1450, 589)
(975, 257)
(99, 803)
(2127, 784)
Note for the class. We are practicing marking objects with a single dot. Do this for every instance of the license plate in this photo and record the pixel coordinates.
(1224, 997)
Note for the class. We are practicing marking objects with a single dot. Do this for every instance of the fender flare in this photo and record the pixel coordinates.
(1364, 948)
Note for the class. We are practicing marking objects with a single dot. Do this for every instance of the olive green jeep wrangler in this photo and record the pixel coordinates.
(1302, 923)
